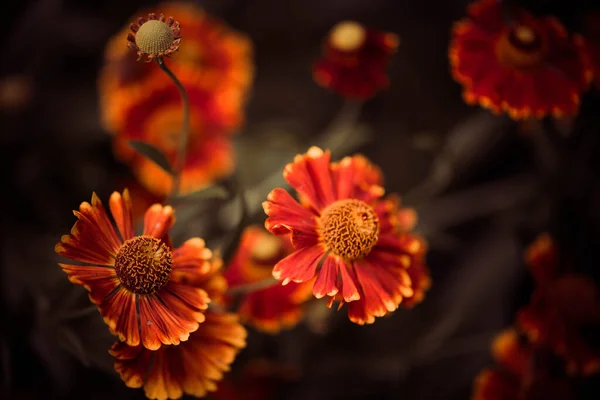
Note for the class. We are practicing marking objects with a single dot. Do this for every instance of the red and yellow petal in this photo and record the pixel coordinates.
(193, 368)
(93, 238)
(300, 266)
(169, 316)
(158, 220)
(356, 177)
(191, 261)
(100, 282)
(542, 258)
(286, 215)
(310, 175)
(121, 210)
(511, 353)
(120, 314)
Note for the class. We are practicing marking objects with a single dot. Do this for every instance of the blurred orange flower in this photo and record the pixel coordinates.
(273, 308)
(519, 376)
(524, 66)
(149, 309)
(139, 101)
(195, 366)
(344, 234)
(354, 60)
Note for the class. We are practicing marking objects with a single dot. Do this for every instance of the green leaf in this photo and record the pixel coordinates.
(152, 153)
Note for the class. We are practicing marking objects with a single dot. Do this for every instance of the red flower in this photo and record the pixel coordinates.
(274, 307)
(524, 66)
(131, 278)
(355, 60)
(519, 376)
(344, 234)
(195, 366)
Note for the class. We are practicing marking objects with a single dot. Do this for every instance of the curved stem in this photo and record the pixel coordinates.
(185, 130)
(253, 287)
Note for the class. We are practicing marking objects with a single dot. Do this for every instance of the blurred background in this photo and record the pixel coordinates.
(479, 183)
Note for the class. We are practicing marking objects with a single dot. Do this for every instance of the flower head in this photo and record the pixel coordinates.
(273, 308)
(131, 278)
(195, 366)
(506, 65)
(355, 59)
(344, 234)
(154, 37)
(520, 375)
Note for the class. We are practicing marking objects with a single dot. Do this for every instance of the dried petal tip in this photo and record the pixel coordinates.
(155, 36)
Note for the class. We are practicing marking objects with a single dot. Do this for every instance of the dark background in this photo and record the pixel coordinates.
(483, 188)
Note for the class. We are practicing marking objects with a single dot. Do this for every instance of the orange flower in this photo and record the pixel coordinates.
(524, 66)
(519, 376)
(139, 101)
(344, 234)
(130, 277)
(220, 58)
(274, 307)
(355, 60)
(155, 118)
(195, 366)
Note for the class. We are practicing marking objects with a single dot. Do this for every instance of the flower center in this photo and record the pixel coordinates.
(521, 47)
(143, 264)
(154, 37)
(349, 228)
(347, 36)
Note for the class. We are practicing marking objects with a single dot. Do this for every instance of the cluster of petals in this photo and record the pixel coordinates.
(510, 61)
(154, 297)
(138, 101)
(275, 307)
(354, 60)
(346, 235)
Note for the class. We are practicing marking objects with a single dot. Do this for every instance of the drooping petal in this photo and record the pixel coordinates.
(93, 239)
(121, 209)
(285, 214)
(310, 175)
(158, 220)
(299, 266)
(193, 367)
(326, 283)
(121, 316)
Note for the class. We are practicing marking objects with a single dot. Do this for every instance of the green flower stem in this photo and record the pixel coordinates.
(253, 287)
(185, 130)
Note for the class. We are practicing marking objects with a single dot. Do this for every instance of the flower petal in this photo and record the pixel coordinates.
(171, 314)
(310, 175)
(121, 209)
(121, 316)
(93, 239)
(191, 261)
(285, 214)
(132, 363)
(99, 281)
(299, 266)
(158, 220)
(326, 283)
